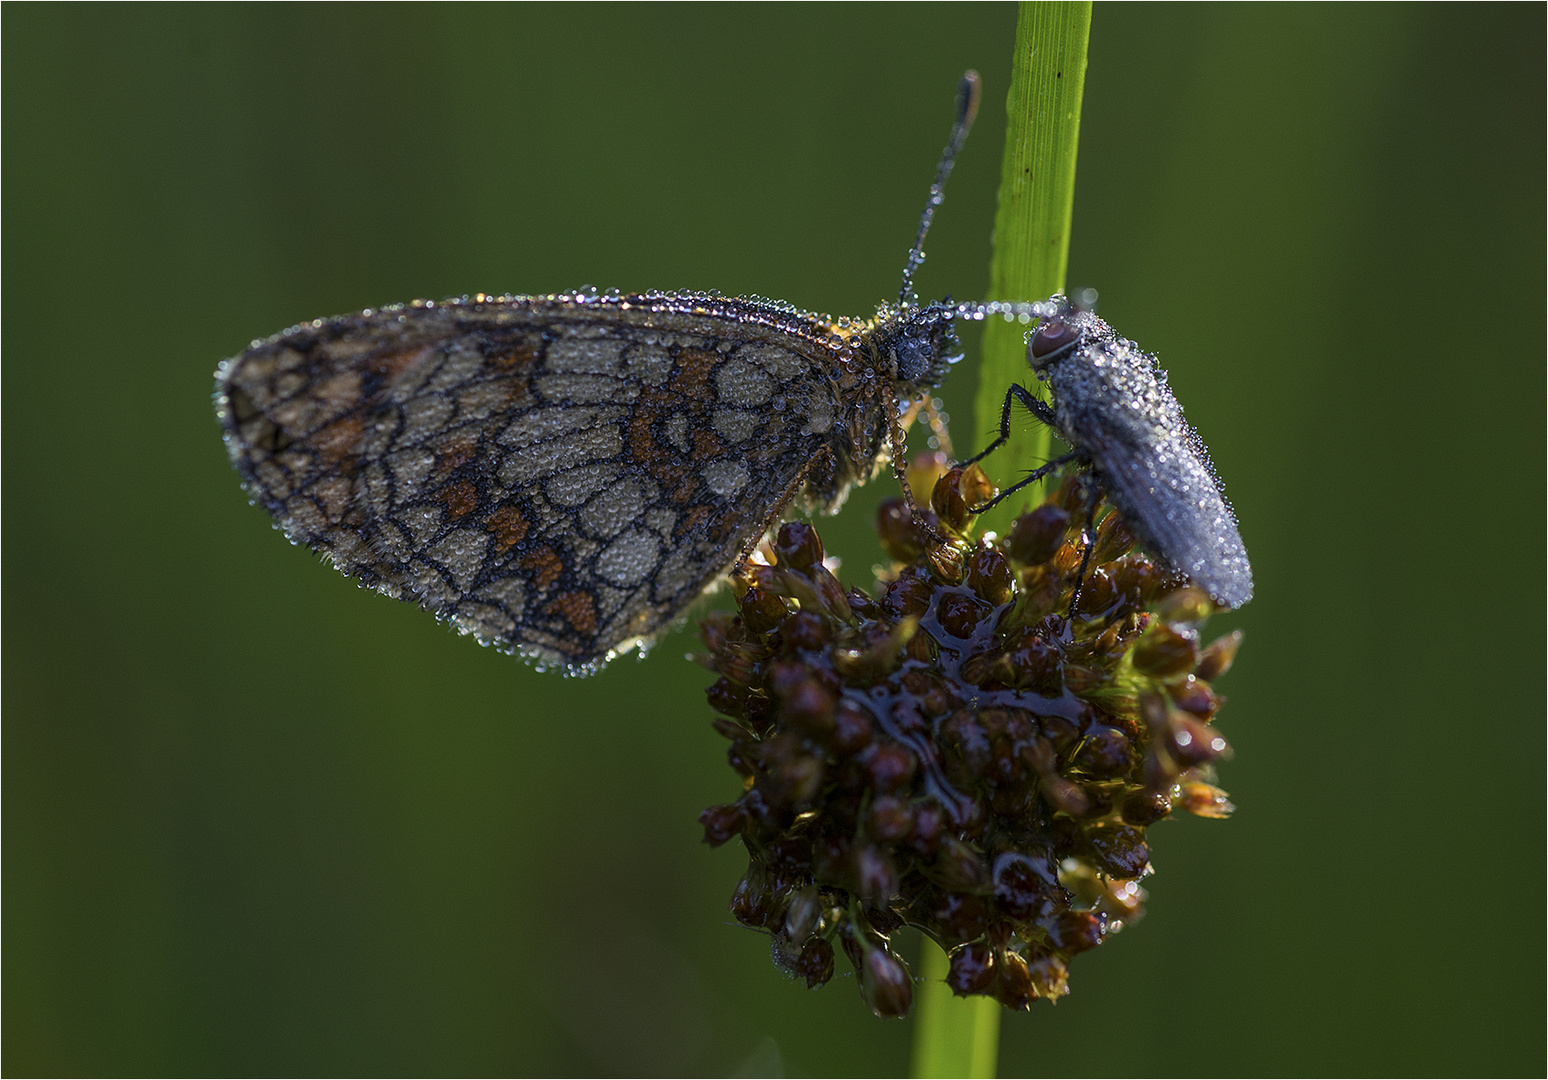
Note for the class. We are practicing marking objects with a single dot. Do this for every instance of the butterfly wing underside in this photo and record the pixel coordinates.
(558, 479)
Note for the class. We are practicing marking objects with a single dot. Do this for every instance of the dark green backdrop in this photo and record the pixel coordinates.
(259, 821)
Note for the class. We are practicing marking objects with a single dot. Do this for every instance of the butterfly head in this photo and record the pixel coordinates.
(921, 345)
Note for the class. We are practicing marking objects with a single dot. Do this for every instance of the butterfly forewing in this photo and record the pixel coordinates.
(560, 476)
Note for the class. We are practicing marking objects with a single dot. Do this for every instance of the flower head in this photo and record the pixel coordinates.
(963, 752)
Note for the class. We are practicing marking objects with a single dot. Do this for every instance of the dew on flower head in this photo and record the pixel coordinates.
(958, 751)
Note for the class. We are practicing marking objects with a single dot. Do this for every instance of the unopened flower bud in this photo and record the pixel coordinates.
(1193, 742)
(1076, 931)
(877, 874)
(890, 819)
(1014, 987)
(947, 501)
(806, 630)
(1065, 795)
(1119, 850)
(739, 662)
(808, 707)
(959, 867)
(959, 615)
(815, 963)
(802, 915)
(752, 900)
(900, 537)
(1217, 656)
(853, 728)
(1194, 696)
(886, 984)
(909, 595)
(1142, 808)
(989, 575)
(890, 766)
(1163, 652)
(1104, 754)
(727, 698)
(761, 611)
(1205, 800)
(945, 564)
(972, 969)
(798, 546)
(1049, 975)
(1189, 604)
(1113, 539)
(715, 630)
(1037, 535)
(1097, 593)
(1022, 885)
(721, 823)
(832, 597)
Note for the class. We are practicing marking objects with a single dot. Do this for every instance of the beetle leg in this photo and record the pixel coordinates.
(1031, 478)
(1020, 393)
(1093, 494)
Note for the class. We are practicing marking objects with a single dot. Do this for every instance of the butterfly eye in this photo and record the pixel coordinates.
(913, 357)
(1050, 338)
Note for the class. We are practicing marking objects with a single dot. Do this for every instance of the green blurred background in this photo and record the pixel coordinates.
(257, 821)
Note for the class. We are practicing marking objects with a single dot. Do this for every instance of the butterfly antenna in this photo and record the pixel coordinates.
(969, 90)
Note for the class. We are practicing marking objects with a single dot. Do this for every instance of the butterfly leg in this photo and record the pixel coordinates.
(897, 439)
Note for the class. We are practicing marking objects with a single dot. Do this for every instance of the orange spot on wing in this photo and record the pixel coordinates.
(459, 499)
(662, 462)
(642, 441)
(579, 609)
(392, 364)
(692, 377)
(516, 390)
(511, 367)
(546, 566)
(338, 440)
(508, 527)
(512, 355)
(724, 525)
(692, 522)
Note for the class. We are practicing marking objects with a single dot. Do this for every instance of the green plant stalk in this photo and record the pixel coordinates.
(960, 1036)
(1031, 226)
(952, 1036)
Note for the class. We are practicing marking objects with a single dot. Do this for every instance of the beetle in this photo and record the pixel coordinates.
(1113, 407)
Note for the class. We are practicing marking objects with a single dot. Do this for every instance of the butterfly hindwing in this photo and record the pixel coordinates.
(559, 476)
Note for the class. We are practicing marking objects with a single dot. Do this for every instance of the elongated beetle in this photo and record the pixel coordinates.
(1113, 406)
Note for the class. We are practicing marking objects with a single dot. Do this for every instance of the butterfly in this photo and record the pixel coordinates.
(562, 476)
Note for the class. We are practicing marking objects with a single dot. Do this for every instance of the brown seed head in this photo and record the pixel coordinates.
(958, 754)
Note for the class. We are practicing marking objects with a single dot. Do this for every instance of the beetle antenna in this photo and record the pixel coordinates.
(969, 90)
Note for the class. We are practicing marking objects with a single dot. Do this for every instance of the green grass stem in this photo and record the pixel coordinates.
(952, 1036)
(960, 1036)
(1032, 225)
